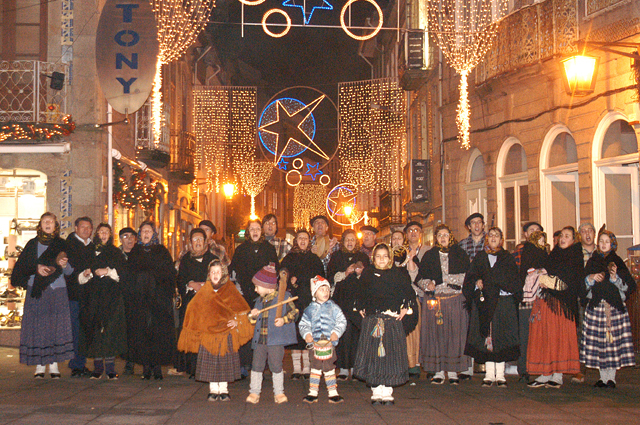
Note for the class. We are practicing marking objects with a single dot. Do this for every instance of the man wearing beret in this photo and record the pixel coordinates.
(368, 239)
(216, 249)
(320, 225)
(474, 243)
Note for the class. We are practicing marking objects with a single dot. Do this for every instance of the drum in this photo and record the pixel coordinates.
(322, 350)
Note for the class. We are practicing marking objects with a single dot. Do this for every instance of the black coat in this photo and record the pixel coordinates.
(532, 257)
(80, 258)
(430, 267)
(303, 266)
(151, 286)
(28, 261)
(606, 290)
(247, 260)
(340, 260)
(191, 270)
(568, 265)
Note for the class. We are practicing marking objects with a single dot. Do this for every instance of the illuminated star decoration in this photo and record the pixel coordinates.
(313, 171)
(295, 127)
(339, 198)
(282, 164)
(309, 5)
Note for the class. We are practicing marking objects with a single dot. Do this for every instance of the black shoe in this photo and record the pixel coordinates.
(55, 376)
(600, 384)
(212, 397)
(128, 368)
(38, 375)
(306, 376)
(77, 373)
(377, 402)
(342, 378)
(437, 381)
(486, 383)
(295, 376)
(464, 376)
(502, 384)
(454, 381)
(310, 399)
(224, 397)
(146, 376)
(96, 375)
(553, 384)
(524, 377)
(192, 376)
(157, 373)
(158, 376)
(389, 402)
(611, 384)
(112, 376)
(335, 399)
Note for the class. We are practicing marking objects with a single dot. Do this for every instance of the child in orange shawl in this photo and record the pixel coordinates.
(215, 328)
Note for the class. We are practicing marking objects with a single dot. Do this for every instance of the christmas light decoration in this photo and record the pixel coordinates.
(179, 22)
(372, 136)
(37, 131)
(341, 205)
(254, 175)
(372, 34)
(308, 202)
(303, 6)
(140, 191)
(464, 32)
(276, 34)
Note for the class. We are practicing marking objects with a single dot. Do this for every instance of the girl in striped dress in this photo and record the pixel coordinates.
(606, 335)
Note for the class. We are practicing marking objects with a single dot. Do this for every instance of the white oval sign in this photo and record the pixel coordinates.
(126, 53)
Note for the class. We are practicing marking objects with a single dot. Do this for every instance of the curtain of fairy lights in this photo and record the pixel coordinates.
(178, 23)
(464, 31)
(308, 201)
(372, 134)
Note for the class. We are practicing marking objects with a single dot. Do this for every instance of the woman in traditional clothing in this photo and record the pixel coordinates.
(445, 320)
(45, 337)
(103, 326)
(553, 341)
(493, 291)
(344, 269)
(302, 265)
(153, 285)
(215, 327)
(192, 275)
(387, 303)
(606, 333)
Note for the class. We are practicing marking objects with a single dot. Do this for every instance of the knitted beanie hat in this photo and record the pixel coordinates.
(317, 282)
(266, 277)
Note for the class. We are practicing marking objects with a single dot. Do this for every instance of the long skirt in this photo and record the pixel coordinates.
(382, 352)
(599, 351)
(348, 347)
(184, 362)
(45, 336)
(505, 345)
(213, 368)
(442, 346)
(413, 343)
(553, 342)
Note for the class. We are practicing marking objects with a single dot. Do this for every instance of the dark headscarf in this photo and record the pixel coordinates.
(47, 238)
(155, 240)
(486, 241)
(452, 240)
(96, 239)
(296, 247)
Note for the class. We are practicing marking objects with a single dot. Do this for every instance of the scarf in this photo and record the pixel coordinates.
(486, 241)
(47, 238)
(155, 240)
(566, 264)
(452, 240)
(605, 290)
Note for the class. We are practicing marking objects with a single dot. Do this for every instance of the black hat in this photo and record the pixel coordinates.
(467, 222)
(209, 224)
(320, 217)
(531, 223)
(412, 223)
(369, 228)
(126, 230)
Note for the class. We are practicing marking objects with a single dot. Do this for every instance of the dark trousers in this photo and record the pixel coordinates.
(523, 317)
(79, 361)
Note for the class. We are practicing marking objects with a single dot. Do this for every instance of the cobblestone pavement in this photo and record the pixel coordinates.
(177, 400)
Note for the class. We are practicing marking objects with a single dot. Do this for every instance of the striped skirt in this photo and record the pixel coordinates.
(45, 336)
(600, 351)
(382, 352)
(212, 368)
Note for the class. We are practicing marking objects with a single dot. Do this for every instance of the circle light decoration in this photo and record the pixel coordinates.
(271, 33)
(251, 3)
(341, 197)
(361, 37)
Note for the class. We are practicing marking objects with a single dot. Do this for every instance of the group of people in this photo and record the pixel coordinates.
(343, 309)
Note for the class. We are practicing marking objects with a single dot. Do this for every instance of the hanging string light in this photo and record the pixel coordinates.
(464, 31)
(308, 201)
(254, 175)
(372, 136)
(178, 22)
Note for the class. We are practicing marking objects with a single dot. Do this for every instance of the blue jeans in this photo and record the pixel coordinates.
(79, 361)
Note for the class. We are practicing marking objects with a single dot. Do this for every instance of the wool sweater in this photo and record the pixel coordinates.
(322, 319)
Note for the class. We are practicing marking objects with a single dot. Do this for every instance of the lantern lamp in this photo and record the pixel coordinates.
(229, 189)
(580, 74)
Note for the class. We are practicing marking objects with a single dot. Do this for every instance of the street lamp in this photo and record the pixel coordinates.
(228, 189)
(348, 209)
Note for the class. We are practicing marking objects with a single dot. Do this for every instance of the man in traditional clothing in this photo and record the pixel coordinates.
(416, 249)
(128, 238)
(320, 225)
(216, 248)
(368, 239)
(474, 243)
(270, 229)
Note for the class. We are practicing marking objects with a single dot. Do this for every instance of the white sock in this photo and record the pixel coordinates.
(470, 370)
(40, 369)
(306, 364)
(490, 371)
(500, 367)
(543, 378)
(53, 368)
(557, 377)
(344, 372)
(387, 393)
(452, 375)
(377, 392)
(439, 375)
(296, 355)
(222, 387)
(214, 388)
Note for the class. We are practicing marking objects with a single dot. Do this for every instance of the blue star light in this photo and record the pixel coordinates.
(309, 5)
(313, 171)
(282, 164)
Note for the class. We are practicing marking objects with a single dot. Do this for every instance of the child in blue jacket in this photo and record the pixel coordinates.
(271, 335)
(322, 321)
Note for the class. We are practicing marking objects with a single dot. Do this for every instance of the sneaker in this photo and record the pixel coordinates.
(96, 375)
(38, 375)
(310, 399)
(253, 398)
(112, 376)
(280, 398)
(578, 378)
(336, 399)
(437, 381)
(502, 384)
(536, 384)
(487, 383)
(224, 397)
(600, 384)
(55, 376)
(464, 376)
(174, 372)
(454, 381)
(212, 397)
(611, 384)
(553, 384)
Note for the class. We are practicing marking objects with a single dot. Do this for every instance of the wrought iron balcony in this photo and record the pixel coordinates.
(183, 146)
(155, 155)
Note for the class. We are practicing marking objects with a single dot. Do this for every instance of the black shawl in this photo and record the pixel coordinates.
(347, 291)
(503, 275)
(247, 260)
(340, 260)
(430, 268)
(303, 266)
(28, 262)
(532, 257)
(568, 265)
(606, 290)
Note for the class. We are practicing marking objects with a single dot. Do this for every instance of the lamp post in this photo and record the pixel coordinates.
(228, 189)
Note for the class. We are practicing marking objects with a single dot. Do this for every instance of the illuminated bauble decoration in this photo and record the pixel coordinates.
(276, 34)
(341, 205)
(346, 29)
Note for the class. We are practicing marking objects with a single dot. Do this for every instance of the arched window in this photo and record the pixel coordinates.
(559, 194)
(513, 191)
(616, 195)
(476, 184)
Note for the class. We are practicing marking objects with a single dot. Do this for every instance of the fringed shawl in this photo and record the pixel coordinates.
(605, 290)
(568, 265)
(205, 322)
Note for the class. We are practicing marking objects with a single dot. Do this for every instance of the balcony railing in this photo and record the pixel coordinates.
(183, 146)
(26, 95)
(147, 151)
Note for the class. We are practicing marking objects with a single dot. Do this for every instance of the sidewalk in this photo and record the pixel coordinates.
(177, 400)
